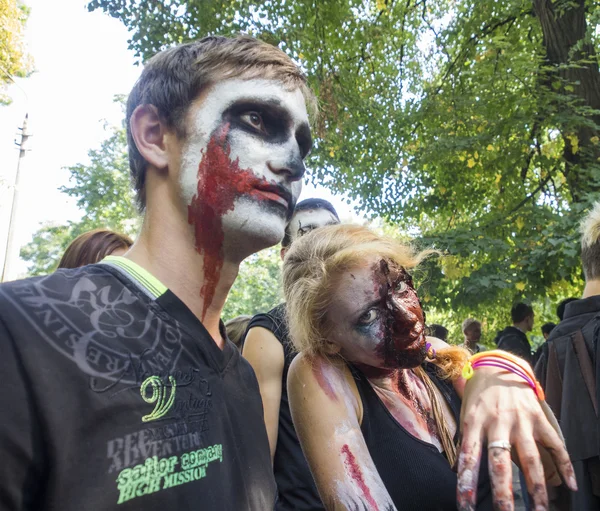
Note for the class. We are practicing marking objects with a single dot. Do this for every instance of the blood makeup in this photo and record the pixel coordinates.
(378, 317)
(241, 170)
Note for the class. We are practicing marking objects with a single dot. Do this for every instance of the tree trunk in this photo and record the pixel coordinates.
(564, 26)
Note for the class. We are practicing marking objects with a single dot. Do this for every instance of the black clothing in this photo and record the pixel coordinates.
(567, 373)
(416, 475)
(295, 484)
(513, 340)
(115, 397)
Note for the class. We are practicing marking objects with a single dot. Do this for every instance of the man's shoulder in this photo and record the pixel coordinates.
(567, 328)
(59, 282)
(61, 290)
(275, 320)
(511, 332)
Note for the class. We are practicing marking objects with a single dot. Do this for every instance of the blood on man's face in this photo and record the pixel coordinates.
(376, 318)
(242, 160)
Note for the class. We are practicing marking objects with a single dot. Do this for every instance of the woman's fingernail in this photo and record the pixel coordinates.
(572, 482)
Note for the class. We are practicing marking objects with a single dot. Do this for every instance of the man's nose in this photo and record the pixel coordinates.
(291, 167)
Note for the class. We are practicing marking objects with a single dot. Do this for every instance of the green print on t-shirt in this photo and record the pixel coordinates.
(158, 396)
(147, 477)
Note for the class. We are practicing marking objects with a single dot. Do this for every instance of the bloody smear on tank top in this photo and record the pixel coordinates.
(220, 182)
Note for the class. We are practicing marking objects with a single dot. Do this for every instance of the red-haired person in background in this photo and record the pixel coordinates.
(93, 246)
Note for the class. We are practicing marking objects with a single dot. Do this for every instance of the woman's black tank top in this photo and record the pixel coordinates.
(416, 475)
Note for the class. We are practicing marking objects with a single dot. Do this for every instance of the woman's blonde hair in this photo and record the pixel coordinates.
(311, 269)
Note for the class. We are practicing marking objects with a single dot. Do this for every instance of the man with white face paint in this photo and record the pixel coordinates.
(141, 401)
(269, 351)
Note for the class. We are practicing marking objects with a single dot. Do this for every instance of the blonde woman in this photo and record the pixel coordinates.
(377, 421)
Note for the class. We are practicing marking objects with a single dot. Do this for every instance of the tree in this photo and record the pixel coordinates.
(257, 288)
(471, 124)
(13, 59)
(103, 192)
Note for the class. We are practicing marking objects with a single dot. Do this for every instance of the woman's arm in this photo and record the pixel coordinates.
(500, 406)
(326, 411)
(265, 354)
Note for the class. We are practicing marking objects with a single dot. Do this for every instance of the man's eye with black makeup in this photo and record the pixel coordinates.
(254, 120)
(368, 317)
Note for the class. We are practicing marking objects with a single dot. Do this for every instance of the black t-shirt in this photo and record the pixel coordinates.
(514, 340)
(115, 397)
(416, 475)
(295, 484)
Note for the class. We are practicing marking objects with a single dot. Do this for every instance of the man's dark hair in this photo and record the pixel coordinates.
(561, 307)
(548, 327)
(306, 205)
(520, 311)
(439, 331)
(173, 78)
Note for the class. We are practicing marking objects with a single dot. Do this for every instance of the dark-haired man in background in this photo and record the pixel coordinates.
(270, 353)
(514, 338)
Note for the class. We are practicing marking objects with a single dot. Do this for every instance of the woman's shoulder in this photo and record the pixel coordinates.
(319, 369)
(329, 376)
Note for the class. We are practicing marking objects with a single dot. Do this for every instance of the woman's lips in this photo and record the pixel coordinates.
(405, 342)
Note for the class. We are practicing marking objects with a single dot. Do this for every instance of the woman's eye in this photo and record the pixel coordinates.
(368, 317)
(401, 287)
(254, 119)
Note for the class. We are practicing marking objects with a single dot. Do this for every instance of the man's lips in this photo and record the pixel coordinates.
(275, 193)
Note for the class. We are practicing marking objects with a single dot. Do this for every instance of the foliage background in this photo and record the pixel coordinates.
(14, 60)
(467, 125)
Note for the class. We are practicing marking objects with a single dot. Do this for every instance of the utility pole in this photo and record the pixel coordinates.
(9, 254)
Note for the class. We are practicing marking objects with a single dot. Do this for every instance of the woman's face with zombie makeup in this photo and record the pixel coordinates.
(242, 161)
(376, 317)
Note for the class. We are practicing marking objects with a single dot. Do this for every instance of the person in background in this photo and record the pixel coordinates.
(547, 329)
(569, 370)
(269, 351)
(514, 338)
(439, 331)
(560, 308)
(93, 246)
(471, 329)
(236, 328)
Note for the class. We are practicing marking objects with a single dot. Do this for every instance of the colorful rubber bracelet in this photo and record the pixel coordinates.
(506, 361)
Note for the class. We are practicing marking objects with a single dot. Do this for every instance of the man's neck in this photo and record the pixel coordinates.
(521, 326)
(470, 344)
(167, 251)
(592, 288)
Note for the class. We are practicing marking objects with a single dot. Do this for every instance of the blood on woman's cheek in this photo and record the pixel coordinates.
(403, 319)
(220, 182)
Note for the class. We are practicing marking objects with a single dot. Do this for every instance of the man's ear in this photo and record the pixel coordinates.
(282, 252)
(148, 132)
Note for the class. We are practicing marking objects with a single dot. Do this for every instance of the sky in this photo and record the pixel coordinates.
(81, 62)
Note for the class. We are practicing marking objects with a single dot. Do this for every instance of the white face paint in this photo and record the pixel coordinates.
(254, 134)
(306, 220)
